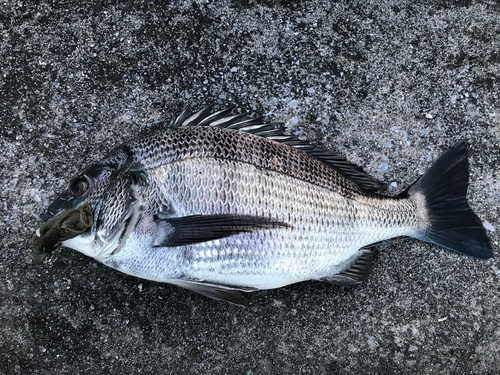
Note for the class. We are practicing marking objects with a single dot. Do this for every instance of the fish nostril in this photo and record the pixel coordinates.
(45, 216)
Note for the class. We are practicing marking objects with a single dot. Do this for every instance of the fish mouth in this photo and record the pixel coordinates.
(68, 224)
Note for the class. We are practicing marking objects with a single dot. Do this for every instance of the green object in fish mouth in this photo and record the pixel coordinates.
(66, 225)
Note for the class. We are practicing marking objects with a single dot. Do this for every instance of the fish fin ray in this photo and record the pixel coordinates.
(216, 117)
(198, 117)
(186, 112)
(357, 272)
(448, 219)
(187, 230)
(219, 292)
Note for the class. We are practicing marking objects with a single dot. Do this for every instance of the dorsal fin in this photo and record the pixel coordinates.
(223, 119)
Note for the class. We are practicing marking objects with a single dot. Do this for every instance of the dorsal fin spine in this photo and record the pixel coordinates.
(240, 122)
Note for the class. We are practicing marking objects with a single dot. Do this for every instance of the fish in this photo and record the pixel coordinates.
(219, 203)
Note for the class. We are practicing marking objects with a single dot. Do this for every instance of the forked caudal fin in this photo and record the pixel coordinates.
(440, 195)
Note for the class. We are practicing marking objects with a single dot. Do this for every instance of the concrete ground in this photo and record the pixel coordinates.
(389, 84)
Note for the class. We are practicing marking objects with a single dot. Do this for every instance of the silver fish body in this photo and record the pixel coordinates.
(217, 209)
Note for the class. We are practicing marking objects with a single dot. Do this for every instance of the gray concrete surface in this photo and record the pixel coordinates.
(389, 84)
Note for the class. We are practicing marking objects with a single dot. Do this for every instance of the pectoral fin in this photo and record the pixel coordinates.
(194, 229)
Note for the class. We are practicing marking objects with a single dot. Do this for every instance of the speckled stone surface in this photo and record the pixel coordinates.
(389, 84)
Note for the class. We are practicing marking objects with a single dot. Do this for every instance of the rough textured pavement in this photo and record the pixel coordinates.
(389, 84)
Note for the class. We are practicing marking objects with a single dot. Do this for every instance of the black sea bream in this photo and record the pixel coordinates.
(220, 204)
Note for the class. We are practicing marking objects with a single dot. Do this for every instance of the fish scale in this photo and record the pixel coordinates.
(220, 204)
(326, 228)
(172, 145)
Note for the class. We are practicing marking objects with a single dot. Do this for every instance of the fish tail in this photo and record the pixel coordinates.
(445, 216)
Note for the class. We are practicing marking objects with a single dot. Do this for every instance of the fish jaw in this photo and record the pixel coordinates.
(100, 246)
(84, 243)
(92, 245)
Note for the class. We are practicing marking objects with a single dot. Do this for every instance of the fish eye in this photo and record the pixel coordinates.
(78, 187)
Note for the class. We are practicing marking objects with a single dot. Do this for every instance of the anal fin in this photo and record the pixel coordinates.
(358, 272)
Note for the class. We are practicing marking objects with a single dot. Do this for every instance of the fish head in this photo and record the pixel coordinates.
(106, 191)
